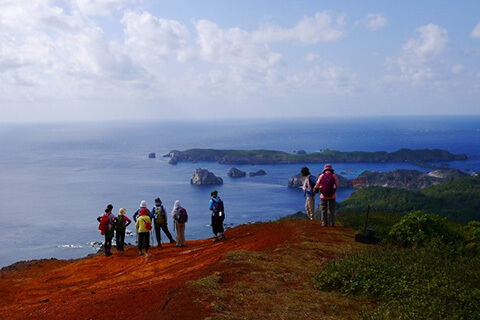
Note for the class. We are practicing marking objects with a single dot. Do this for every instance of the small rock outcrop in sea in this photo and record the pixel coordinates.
(152, 155)
(257, 173)
(205, 177)
(236, 173)
(301, 152)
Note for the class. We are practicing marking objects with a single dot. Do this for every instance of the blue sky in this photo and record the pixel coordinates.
(139, 59)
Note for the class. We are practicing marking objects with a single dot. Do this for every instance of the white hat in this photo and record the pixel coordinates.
(143, 204)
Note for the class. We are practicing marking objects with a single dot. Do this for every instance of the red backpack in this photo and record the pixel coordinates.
(103, 226)
(327, 185)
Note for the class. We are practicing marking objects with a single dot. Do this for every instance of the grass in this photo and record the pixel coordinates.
(275, 285)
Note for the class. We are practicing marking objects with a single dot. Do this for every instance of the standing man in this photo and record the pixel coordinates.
(107, 228)
(218, 216)
(160, 222)
(327, 183)
(309, 182)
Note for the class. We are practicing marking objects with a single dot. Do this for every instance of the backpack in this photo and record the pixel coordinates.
(159, 219)
(312, 184)
(218, 209)
(103, 226)
(181, 215)
(120, 225)
(327, 185)
(148, 225)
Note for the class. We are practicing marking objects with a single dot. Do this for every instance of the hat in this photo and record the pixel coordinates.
(122, 211)
(328, 166)
(143, 204)
(158, 201)
(214, 193)
(143, 211)
(305, 171)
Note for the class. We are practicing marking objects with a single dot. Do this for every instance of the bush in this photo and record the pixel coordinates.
(419, 228)
(430, 282)
(380, 222)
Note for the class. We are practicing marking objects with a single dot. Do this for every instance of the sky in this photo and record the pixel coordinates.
(84, 60)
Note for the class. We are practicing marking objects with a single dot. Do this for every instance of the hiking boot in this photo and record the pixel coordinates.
(146, 254)
(222, 237)
(172, 241)
(140, 253)
(159, 245)
(215, 239)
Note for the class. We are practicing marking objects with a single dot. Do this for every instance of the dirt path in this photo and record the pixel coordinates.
(128, 286)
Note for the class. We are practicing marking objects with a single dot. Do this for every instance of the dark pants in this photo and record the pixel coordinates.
(327, 208)
(217, 225)
(120, 238)
(158, 235)
(143, 241)
(108, 242)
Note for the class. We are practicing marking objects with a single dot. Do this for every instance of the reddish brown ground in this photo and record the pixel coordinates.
(128, 286)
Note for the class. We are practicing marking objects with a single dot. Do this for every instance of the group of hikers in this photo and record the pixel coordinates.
(326, 184)
(111, 225)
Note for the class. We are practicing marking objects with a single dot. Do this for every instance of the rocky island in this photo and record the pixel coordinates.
(280, 157)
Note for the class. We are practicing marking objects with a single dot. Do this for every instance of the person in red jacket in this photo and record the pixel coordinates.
(327, 184)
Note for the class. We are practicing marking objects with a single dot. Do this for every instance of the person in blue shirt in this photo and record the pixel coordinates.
(218, 216)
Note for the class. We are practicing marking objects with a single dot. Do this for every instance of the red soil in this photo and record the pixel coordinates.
(129, 286)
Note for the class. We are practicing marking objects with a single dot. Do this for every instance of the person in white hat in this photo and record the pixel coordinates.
(143, 204)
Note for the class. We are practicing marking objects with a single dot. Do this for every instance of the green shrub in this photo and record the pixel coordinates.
(380, 222)
(419, 228)
(431, 282)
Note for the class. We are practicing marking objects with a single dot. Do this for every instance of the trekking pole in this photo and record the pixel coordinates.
(366, 221)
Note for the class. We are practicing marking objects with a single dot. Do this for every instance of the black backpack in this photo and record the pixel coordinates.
(218, 209)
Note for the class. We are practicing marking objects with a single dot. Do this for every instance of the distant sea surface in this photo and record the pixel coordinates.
(56, 179)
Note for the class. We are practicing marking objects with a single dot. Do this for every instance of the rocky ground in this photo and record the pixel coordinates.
(129, 286)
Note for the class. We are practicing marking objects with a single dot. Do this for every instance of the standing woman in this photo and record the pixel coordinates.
(180, 217)
(143, 226)
(107, 228)
(122, 223)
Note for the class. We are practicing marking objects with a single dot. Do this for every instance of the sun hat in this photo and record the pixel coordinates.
(305, 171)
(143, 204)
(158, 201)
(122, 211)
(329, 167)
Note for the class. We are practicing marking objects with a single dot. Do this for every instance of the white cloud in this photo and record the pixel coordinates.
(373, 21)
(311, 56)
(150, 39)
(100, 7)
(233, 46)
(419, 60)
(476, 32)
(323, 27)
(458, 68)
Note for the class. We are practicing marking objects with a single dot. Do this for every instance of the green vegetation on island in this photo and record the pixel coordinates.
(457, 200)
(273, 157)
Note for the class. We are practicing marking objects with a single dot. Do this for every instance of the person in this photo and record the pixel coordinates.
(107, 225)
(180, 217)
(143, 226)
(218, 216)
(120, 226)
(143, 205)
(309, 182)
(160, 222)
(327, 184)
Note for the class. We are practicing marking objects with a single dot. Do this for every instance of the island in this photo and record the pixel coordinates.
(262, 156)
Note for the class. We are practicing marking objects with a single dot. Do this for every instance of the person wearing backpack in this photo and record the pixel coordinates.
(143, 204)
(180, 217)
(143, 226)
(327, 184)
(120, 227)
(160, 222)
(107, 228)
(218, 216)
(309, 182)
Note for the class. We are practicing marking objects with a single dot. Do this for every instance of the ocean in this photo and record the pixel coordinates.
(57, 178)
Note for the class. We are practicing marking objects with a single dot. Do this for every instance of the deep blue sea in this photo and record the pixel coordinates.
(57, 178)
